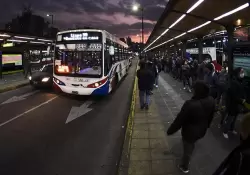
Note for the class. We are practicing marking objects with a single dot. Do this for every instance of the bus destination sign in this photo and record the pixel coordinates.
(82, 36)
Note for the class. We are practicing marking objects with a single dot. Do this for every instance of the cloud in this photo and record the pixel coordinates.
(115, 16)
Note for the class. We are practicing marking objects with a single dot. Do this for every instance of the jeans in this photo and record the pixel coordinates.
(188, 149)
(229, 123)
(186, 81)
(144, 98)
(156, 80)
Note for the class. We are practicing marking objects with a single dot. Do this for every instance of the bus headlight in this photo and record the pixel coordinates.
(45, 79)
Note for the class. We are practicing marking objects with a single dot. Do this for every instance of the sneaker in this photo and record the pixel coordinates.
(146, 107)
(184, 170)
(189, 90)
(234, 132)
(225, 135)
(184, 88)
(156, 86)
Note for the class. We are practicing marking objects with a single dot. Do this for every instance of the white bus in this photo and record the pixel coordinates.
(89, 62)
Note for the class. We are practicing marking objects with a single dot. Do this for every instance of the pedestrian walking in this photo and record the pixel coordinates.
(145, 82)
(236, 97)
(194, 119)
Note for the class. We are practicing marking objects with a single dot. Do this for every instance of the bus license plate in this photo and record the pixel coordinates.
(75, 92)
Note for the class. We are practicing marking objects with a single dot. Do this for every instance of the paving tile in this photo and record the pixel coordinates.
(140, 154)
(139, 134)
(143, 127)
(154, 121)
(140, 115)
(161, 154)
(158, 143)
(140, 121)
(140, 143)
(157, 134)
(139, 168)
(153, 127)
(163, 166)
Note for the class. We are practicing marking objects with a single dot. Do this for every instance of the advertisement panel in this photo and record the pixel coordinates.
(206, 50)
(12, 59)
(242, 59)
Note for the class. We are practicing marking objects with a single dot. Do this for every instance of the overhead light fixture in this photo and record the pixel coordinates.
(180, 35)
(4, 35)
(44, 40)
(232, 12)
(200, 26)
(18, 41)
(22, 37)
(177, 21)
(37, 42)
(215, 19)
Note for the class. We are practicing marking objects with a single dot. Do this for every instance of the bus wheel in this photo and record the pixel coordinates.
(115, 82)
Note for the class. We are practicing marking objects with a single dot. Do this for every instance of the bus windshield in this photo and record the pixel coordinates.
(78, 63)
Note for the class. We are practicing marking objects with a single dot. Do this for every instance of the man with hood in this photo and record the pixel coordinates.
(194, 119)
(236, 97)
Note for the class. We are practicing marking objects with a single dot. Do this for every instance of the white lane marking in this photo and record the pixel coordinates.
(76, 112)
(28, 111)
(19, 98)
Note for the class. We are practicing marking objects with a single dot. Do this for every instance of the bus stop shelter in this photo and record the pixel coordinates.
(193, 19)
(12, 41)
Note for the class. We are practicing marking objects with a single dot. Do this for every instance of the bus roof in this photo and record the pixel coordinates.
(105, 34)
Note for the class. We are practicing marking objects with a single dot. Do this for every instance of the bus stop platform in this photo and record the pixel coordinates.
(12, 81)
(152, 152)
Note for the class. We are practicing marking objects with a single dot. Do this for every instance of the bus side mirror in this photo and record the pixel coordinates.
(111, 50)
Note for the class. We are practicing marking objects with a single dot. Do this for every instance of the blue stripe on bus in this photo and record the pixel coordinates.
(104, 90)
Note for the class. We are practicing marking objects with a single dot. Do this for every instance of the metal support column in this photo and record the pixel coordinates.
(200, 49)
(183, 48)
(230, 44)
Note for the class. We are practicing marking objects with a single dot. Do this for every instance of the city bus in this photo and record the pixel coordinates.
(89, 62)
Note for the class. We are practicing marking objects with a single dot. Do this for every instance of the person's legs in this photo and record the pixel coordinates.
(229, 122)
(156, 80)
(141, 96)
(188, 149)
(147, 102)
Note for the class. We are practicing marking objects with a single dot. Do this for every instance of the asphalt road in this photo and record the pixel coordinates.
(36, 140)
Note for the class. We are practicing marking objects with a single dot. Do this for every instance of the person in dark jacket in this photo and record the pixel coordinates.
(186, 75)
(194, 119)
(157, 70)
(237, 162)
(145, 81)
(211, 79)
(236, 97)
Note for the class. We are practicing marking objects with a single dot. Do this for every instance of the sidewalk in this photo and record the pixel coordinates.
(152, 152)
(12, 81)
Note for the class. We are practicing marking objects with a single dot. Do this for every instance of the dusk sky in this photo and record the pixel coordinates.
(114, 16)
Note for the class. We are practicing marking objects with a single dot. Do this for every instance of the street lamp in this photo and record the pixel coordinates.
(52, 18)
(136, 8)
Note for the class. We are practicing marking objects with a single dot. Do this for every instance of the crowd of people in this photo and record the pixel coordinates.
(213, 91)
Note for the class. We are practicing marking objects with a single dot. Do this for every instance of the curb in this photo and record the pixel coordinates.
(124, 161)
(9, 88)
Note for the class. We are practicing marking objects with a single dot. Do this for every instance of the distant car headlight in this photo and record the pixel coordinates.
(45, 79)
(30, 77)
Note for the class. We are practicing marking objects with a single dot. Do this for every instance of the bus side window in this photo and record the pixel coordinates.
(107, 62)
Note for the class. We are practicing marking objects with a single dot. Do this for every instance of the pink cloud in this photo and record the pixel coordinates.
(137, 37)
(120, 18)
